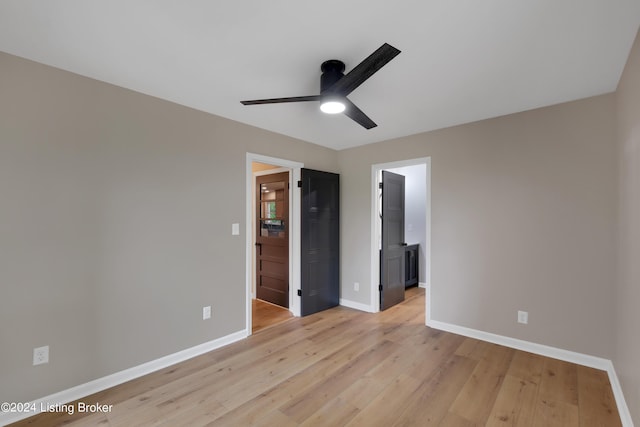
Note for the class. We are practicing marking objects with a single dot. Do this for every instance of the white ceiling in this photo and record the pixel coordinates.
(461, 60)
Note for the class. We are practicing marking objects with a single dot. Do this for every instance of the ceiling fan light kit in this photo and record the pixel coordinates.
(335, 86)
(332, 106)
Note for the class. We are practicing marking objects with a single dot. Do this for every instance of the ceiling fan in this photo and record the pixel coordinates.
(335, 85)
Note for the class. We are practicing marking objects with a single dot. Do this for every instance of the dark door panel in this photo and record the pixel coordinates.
(320, 241)
(392, 265)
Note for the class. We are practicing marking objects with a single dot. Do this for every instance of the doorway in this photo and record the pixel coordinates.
(314, 208)
(417, 224)
(260, 165)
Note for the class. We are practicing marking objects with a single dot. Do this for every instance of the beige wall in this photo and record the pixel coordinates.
(115, 225)
(627, 355)
(523, 218)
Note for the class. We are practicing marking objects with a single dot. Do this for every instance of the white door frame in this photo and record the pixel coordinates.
(376, 177)
(294, 230)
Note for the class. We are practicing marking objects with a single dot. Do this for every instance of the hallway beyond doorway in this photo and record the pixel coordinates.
(266, 315)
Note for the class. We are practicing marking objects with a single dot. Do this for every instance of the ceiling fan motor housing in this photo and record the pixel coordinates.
(332, 71)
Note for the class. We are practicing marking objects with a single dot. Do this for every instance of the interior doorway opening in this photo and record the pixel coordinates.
(271, 228)
(417, 226)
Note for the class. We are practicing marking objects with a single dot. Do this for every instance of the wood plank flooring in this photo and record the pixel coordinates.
(265, 314)
(342, 367)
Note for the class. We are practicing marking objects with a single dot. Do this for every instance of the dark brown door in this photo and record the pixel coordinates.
(320, 241)
(392, 275)
(272, 238)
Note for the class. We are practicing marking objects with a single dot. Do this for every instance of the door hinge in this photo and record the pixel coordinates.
(299, 292)
(299, 184)
(380, 288)
(288, 186)
(380, 185)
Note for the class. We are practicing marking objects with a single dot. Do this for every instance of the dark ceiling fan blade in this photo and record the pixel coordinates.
(281, 100)
(357, 115)
(364, 70)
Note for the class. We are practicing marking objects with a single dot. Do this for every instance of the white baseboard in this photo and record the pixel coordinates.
(364, 307)
(623, 409)
(112, 380)
(544, 350)
(356, 305)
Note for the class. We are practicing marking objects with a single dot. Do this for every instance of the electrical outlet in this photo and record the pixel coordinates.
(41, 355)
(523, 317)
(206, 312)
(356, 286)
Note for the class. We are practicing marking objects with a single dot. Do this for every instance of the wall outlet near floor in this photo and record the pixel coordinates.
(523, 317)
(206, 312)
(41, 355)
(356, 286)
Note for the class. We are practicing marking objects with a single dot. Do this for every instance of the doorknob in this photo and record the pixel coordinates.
(258, 244)
(403, 244)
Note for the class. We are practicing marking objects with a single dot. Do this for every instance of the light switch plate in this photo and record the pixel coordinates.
(235, 229)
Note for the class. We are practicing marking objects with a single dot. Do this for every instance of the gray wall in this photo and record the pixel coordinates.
(523, 218)
(115, 225)
(627, 355)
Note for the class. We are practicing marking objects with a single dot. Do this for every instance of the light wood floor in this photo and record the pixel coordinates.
(344, 367)
(265, 314)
